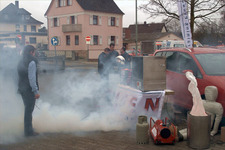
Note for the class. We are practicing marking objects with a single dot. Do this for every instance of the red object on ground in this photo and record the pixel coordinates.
(162, 132)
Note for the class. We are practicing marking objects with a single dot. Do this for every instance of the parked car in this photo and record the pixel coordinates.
(208, 66)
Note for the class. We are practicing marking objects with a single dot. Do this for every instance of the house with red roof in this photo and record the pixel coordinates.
(148, 36)
(71, 21)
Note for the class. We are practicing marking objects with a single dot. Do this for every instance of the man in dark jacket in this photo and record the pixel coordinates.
(113, 52)
(112, 58)
(126, 56)
(103, 62)
(28, 86)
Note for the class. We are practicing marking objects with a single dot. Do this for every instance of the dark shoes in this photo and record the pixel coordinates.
(31, 134)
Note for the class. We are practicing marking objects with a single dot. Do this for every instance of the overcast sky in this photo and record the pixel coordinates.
(38, 8)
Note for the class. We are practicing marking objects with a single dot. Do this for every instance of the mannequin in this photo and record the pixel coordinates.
(198, 108)
(213, 108)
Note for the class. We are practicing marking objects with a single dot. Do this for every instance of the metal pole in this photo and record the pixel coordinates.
(55, 56)
(87, 52)
(136, 34)
(55, 51)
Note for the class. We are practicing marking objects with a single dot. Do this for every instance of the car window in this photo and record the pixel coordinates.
(158, 54)
(178, 62)
(164, 54)
(212, 64)
(171, 61)
(186, 62)
(168, 54)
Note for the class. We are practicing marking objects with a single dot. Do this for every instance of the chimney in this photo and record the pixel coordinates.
(17, 3)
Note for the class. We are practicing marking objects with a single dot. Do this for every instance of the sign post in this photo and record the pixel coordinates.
(55, 42)
(88, 42)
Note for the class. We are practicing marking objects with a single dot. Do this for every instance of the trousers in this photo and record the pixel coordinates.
(29, 103)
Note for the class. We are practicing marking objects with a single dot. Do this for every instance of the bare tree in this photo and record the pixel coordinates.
(198, 9)
(172, 25)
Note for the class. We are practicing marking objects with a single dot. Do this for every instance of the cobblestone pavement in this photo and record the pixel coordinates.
(98, 140)
(112, 140)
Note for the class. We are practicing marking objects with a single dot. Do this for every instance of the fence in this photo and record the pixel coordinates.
(75, 54)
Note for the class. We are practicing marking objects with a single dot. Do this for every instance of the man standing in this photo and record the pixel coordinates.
(113, 52)
(112, 57)
(126, 56)
(103, 68)
(28, 86)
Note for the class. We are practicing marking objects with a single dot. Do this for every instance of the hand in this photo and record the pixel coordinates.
(37, 96)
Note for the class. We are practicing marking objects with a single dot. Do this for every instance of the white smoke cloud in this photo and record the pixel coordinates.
(83, 105)
(70, 102)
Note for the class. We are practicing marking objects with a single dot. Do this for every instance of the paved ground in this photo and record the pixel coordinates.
(112, 140)
(98, 140)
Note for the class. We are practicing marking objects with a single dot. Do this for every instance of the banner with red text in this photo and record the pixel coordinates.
(132, 102)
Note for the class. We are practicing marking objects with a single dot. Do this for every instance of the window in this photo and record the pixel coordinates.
(95, 20)
(76, 39)
(33, 28)
(124, 35)
(178, 62)
(72, 18)
(113, 39)
(158, 54)
(56, 22)
(25, 28)
(113, 21)
(33, 40)
(17, 30)
(95, 39)
(69, 2)
(212, 64)
(67, 40)
(61, 3)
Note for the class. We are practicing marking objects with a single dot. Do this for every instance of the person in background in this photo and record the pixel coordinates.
(28, 86)
(103, 59)
(113, 52)
(126, 56)
(112, 58)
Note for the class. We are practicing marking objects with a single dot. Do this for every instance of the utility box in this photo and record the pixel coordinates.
(149, 73)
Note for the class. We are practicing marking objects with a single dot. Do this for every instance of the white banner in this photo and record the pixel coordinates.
(133, 103)
(184, 23)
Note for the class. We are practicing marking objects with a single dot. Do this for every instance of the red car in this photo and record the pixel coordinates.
(208, 66)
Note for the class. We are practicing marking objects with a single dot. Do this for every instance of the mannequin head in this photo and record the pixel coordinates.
(211, 93)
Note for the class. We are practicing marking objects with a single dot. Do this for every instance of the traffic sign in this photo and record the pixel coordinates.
(19, 36)
(88, 38)
(54, 41)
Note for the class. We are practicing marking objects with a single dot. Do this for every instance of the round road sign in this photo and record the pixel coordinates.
(19, 36)
(88, 38)
(54, 41)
